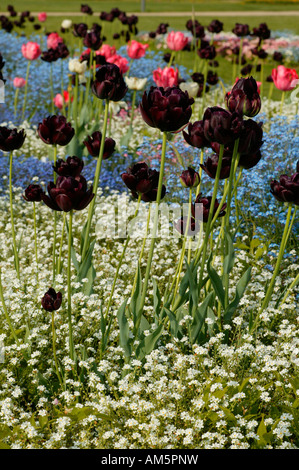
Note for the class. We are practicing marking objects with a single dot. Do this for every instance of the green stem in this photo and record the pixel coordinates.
(54, 351)
(16, 101)
(26, 89)
(283, 243)
(155, 226)
(69, 288)
(6, 312)
(16, 256)
(132, 108)
(180, 265)
(293, 284)
(75, 102)
(205, 72)
(96, 181)
(240, 56)
(35, 236)
(55, 218)
(51, 87)
(233, 168)
(121, 260)
(142, 248)
(61, 244)
(211, 213)
(172, 55)
(282, 101)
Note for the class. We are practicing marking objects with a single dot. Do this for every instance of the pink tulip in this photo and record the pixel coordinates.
(176, 40)
(120, 61)
(19, 82)
(31, 50)
(53, 40)
(284, 79)
(136, 50)
(59, 99)
(42, 16)
(107, 51)
(166, 77)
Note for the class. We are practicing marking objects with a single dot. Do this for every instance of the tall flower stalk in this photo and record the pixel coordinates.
(15, 250)
(96, 180)
(26, 90)
(69, 287)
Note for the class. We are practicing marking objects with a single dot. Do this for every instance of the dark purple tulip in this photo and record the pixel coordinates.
(93, 144)
(250, 160)
(221, 126)
(11, 139)
(92, 40)
(62, 50)
(72, 166)
(151, 196)
(68, 194)
(190, 178)
(55, 130)
(277, 56)
(212, 78)
(198, 77)
(140, 178)
(195, 135)
(51, 300)
(251, 137)
(181, 226)
(211, 164)
(215, 26)
(190, 25)
(50, 55)
(286, 189)
(168, 109)
(206, 204)
(80, 30)
(162, 28)
(263, 32)
(246, 70)
(207, 52)
(109, 83)
(86, 9)
(33, 193)
(244, 97)
(241, 30)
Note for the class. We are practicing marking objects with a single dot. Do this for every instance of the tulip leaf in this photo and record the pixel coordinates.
(148, 343)
(136, 297)
(174, 322)
(229, 259)
(199, 316)
(156, 298)
(124, 330)
(240, 289)
(88, 286)
(85, 265)
(216, 281)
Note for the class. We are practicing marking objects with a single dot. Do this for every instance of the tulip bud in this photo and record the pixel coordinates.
(51, 300)
(93, 144)
(244, 97)
(221, 126)
(241, 30)
(195, 135)
(190, 178)
(33, 193)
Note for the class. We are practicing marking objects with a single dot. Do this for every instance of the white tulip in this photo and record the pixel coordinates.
(66, 24)
(77, 67)
(191, 87)
(135, 83)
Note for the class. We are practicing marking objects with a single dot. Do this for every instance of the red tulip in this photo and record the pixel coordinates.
(136, 49)
(284, 79)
